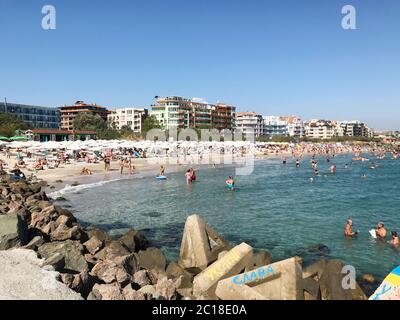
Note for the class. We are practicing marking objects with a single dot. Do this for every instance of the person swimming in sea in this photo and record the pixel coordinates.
(230, 182)
(381, 231)
(297, 163)
(348, 229)
(395, 239)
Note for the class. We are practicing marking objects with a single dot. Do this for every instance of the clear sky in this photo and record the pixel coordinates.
(275, 57)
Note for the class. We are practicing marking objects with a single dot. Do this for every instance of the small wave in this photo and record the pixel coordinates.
(75, 189)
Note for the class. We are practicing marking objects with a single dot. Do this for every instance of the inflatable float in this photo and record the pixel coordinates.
(161, 178)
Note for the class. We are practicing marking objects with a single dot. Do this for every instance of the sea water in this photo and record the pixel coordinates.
(276, 208)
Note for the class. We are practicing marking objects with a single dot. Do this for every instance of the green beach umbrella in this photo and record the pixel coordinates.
(3, 138)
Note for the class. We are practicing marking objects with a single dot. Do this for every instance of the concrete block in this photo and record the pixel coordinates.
(230, 264)
(278, 281)
(200, 244)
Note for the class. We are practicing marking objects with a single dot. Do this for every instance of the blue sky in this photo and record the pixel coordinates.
(271, 56)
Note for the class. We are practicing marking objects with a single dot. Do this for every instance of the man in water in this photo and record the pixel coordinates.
(395, 239)
(381, 231)
(348, 230)
(162, 171)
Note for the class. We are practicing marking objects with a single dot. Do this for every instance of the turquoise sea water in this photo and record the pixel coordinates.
(276, 208)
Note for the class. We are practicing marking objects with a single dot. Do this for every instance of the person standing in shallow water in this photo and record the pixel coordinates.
(381, 231)
(348, 229)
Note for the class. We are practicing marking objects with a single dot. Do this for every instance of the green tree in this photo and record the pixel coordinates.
(149, 123)
(93, 122)
(9, 123)
(89, 121)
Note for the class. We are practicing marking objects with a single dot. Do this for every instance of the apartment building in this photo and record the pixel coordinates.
(69, 113)
(274, 126)
(34, 116)
(320, 129)
(179, 112)
(353, 128)
(249, 123)
(295, 126)
(131, 117)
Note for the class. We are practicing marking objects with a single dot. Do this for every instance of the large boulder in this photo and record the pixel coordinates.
(72, 251)
(134, 241)
(111, 250)
(152, 258)
(62, 232)
(100, 234)
(93, 245)
(109, 272)
(110, 291)
(131, 294)
(13, 231)
(166, 288)
(22, 278)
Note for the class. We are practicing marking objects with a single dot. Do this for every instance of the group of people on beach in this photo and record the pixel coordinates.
(380, 232)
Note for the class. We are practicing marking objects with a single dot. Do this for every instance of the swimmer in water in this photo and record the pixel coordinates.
(395, 239)
(297, 163)
(230, 183)
(348, 230)
(346, 166)
(381, 231)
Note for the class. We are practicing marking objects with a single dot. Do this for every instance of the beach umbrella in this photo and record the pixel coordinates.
(3, 138)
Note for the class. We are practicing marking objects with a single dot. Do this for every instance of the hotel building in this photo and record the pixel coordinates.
(275, 126)
(131, 117)
(68, 113)
(249, 122)
(179, 112)
(295, 126)
(34, 116)
(320, 129)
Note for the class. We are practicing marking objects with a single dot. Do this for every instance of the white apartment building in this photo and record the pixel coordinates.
(320, 129)
(250, 123)
(295, 126)
(275, 126)
(131, 117)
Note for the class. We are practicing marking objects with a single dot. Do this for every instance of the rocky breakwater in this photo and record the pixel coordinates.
(98, 267)
(87, 261)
